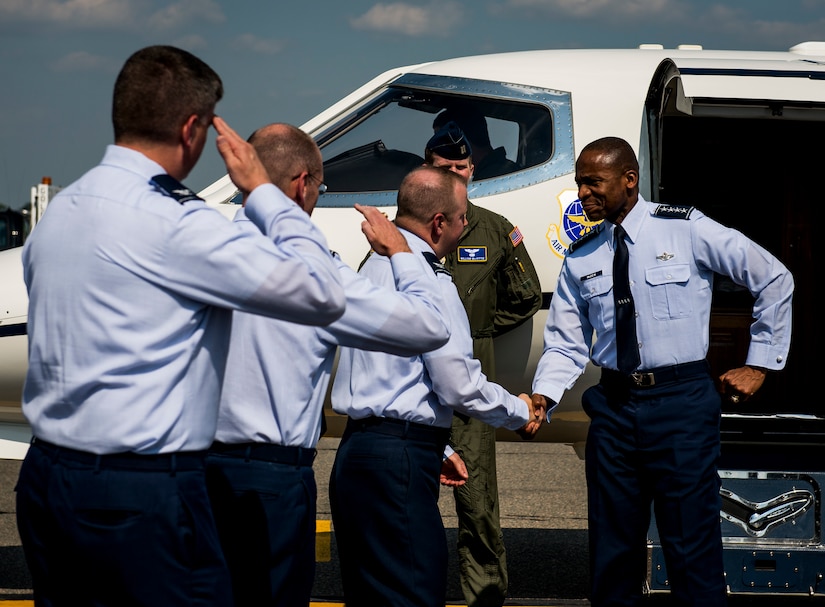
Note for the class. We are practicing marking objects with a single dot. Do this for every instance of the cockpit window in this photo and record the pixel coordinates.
(371, 149)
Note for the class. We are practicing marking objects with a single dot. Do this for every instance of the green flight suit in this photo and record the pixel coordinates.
(500, 290)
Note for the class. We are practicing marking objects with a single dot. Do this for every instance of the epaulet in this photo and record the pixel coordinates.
(673, 211)
(173, 188)
(435, 263)
(582, 239)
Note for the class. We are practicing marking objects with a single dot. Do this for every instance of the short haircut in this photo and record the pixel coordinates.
(617, 151)
(157, 90)
(425, 191)
(286, 151)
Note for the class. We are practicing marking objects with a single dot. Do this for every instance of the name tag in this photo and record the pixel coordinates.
(472, 254)
(589, 276)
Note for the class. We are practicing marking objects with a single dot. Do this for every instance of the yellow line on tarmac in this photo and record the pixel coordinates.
(323, 538)
(323, 554)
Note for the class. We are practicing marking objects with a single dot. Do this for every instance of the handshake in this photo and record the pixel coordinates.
(540, 410)
(454, 471)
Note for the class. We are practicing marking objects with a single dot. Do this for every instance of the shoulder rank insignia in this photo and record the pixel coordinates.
(174, 188)
(472, 254)
(673, 211)
(582, 239)
(435, 263)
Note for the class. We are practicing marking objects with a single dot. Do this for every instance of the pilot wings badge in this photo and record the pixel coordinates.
(472, 254)
(665, 256)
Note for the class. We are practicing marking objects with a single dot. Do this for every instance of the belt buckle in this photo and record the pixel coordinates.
(643, 380)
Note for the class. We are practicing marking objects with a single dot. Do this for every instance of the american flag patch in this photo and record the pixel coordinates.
(515, 236)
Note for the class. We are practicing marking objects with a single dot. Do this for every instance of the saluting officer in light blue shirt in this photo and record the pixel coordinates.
(259, 470)
(384, 484)
(654, 432)
(131, 279)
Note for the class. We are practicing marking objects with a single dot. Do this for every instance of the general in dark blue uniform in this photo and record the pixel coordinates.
(654, 431)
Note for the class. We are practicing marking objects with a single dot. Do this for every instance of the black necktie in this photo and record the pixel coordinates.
(627, 348)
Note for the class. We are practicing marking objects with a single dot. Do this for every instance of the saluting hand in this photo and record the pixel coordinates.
(242, 162)
(383, 236)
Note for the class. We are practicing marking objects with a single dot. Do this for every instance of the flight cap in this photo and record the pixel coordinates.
(450, 143)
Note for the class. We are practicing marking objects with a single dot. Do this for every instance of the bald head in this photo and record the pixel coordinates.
(432, 203)
(293, 161)
(425, 191)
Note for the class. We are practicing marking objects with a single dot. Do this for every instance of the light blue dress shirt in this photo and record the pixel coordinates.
(424, 388)
(129, 298)
(278, 372)
(672, 261)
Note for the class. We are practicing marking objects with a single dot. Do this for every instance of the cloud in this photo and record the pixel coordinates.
(256, 44)
(76, 13)
(740, 26)
(119, 14)
(400, 18)
(81, 61)
(185, 12)
(586, 9)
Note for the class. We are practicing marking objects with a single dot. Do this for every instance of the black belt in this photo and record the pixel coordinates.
(654, 377)
(167, 462)
(401, 428)
(267, 452)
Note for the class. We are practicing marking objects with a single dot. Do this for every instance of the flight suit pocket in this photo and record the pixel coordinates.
(520, 287)
(598, 293)
(668, 288)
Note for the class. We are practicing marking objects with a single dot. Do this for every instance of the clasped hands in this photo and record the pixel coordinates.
(538, 412)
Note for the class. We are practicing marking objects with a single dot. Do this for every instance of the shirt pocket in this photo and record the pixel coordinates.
(668, 289)
(598, 295)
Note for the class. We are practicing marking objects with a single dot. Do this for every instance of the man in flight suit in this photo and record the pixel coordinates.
(500, 290)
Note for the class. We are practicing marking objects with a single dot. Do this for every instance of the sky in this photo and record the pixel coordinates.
(286, 61)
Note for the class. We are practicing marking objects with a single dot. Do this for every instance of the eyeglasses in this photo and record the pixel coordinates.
(322, 187)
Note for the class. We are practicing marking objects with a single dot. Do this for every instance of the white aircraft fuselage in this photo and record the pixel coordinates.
(692, 115)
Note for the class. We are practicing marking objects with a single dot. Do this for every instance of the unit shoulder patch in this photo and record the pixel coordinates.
(583, 239)
(673, 211)
(435, 263)
(173, 188)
